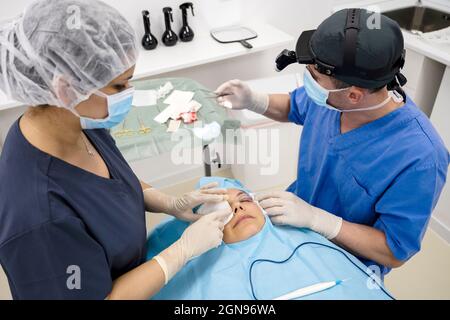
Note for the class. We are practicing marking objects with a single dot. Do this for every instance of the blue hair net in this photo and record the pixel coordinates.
(225, 183)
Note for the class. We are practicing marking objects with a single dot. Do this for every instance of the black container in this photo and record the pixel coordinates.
(169, 38)
(186, 32)
(149, 41)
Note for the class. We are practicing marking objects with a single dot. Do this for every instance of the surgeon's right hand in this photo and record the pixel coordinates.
(238, 95)
(181, 207)
(200, 237)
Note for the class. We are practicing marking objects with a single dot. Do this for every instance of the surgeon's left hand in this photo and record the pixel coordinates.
(181, 207)
(285, 208)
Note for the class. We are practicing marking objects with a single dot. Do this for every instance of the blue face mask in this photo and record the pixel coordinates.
(320, 95)
(316, 92)
(119, 105)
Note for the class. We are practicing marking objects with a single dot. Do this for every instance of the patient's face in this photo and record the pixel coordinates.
(248, 219)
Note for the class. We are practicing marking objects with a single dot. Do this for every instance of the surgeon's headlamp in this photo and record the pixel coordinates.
(303, 55)
(285, 58)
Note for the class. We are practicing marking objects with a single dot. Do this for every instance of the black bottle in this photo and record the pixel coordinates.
(169, 38)
(186, 33)
(149, 41)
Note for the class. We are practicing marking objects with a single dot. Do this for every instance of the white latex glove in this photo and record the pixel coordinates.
(198, 238)
(242, 97)
(286, 208)
(181, 207)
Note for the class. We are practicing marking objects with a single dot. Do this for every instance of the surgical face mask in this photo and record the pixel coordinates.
(320, 95)
(119, 105)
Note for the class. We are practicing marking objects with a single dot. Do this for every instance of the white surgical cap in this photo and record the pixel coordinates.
(81, 45)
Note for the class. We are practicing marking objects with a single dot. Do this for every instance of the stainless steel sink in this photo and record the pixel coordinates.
(420, 18)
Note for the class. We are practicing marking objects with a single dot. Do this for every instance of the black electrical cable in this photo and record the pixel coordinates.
(298, 247)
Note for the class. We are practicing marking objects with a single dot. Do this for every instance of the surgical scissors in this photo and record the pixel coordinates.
(216, 95)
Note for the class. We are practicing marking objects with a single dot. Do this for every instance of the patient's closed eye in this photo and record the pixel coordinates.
(243, 197)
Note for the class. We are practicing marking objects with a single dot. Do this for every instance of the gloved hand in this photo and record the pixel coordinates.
(285, 208)
(198, 238)
(181, 207)
(242, 97)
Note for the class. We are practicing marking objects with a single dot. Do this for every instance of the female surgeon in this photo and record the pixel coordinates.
(72, 212)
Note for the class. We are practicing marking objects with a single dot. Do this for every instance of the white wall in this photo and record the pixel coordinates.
(440, 119)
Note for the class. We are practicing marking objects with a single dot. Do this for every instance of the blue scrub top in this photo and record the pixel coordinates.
(54, 215)
(387, 174)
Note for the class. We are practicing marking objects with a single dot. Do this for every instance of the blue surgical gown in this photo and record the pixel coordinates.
(62, 225)
(387, 174)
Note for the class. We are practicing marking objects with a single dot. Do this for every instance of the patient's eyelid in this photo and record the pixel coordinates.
(245, 198)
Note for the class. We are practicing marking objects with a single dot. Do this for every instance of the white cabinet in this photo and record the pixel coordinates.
(424, 77)
(272, 148)
(440, 118)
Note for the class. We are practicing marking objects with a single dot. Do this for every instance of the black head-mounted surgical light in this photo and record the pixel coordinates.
(303, 55)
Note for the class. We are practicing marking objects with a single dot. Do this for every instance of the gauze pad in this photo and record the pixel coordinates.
(211, 207)
(252, 195)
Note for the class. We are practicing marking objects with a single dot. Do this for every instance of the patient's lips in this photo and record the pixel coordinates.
(242, 218)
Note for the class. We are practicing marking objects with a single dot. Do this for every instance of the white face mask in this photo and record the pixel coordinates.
(320, 95)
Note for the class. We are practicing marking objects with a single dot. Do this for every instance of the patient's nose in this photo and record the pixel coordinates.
(236, 207)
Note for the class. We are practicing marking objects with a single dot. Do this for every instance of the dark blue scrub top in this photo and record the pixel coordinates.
(387, 174)
(54, 215)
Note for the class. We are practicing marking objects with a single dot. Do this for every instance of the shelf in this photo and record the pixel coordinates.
(201, 51)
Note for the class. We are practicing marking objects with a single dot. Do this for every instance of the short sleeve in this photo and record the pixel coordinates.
(57, 260)
(406, 207)
(299, 106)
